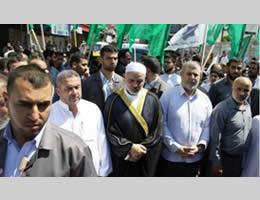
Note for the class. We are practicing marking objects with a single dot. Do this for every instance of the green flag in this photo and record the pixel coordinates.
(121, 31)
(50, 25)
(156, 35)
(95, 32)
(244, 46)
(139, 31)
(159, 40)
(31, 26)
(213, 33)
(236, 32)
(258, 43)
(75, 26)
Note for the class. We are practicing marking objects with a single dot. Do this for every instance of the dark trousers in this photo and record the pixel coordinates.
(205, 165)
(176, 169)
(232, 165)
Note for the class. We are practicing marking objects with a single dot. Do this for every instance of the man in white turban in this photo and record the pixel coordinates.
(133, 121)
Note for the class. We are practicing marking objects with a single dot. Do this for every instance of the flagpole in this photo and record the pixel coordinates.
(135, 54)
(75, 37)
(91, 46)
(29, 34)
(43, 38)
(204, 43)
(37, 43)
(210, 51)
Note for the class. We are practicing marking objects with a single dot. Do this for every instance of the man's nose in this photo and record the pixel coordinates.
(34, 113)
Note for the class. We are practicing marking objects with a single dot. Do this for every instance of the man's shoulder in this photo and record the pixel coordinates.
(223, 106)
(92, 77)
(54, 134)
(118, 77)
(88, 105)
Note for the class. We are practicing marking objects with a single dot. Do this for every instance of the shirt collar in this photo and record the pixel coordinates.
(9, 136)
(232, 102)
(66, 106)
(104, 79)
(152, 84)
(183, 92)
(132, 97)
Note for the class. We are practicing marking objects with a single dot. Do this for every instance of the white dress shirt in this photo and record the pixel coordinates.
(171, 79)
(186, 122)
(89, 125)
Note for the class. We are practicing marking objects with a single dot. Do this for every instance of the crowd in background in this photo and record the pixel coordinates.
(188, 121)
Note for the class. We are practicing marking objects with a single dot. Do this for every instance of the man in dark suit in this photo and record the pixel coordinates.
(153, 81)
(31, 146)
(101, 84)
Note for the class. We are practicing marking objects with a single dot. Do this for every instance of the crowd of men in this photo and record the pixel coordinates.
(111, 117)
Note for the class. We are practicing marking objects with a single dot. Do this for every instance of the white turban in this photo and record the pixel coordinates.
(135, 67)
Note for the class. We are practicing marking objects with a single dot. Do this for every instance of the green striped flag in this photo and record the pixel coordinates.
(121, 31)
(31, 26)
(95, 32)
(156, 35)
(236, 32)
(214, 31)
(244, 46)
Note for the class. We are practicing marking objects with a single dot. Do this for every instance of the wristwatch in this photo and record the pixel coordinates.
(201, 147)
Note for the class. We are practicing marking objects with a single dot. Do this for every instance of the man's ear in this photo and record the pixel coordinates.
(58, 91)
(5, 94)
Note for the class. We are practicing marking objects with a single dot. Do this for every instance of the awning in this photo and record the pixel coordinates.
(85, 27)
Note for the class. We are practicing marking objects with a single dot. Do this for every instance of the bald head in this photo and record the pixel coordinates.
(241, 89)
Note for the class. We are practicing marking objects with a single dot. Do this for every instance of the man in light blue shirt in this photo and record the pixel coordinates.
(186, 113)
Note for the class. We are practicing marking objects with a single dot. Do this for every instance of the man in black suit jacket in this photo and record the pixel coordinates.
(101, 84)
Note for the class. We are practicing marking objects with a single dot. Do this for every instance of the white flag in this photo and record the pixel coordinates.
(189, 36)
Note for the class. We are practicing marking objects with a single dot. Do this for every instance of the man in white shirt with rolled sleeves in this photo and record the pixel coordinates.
(186, 113)
(83, 118)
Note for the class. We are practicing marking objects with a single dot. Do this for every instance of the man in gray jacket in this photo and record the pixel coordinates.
(32, 146)
(230, 125)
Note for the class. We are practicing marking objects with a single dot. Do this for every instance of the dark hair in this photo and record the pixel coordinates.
(170, 56)
(122, 53)
(254, 62)
(108, 48)
(218, 72)
(152, 63)
(234, 60)
(59, 54)
(76, 58)
(48, 53)
(31, 73)
(196, 58)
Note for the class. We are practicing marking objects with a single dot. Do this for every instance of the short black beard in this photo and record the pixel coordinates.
(252, 76)
(168, 71)
(232, 78)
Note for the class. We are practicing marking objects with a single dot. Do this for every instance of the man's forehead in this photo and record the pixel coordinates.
(110, 54)
(71, 80)
(236, 64)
